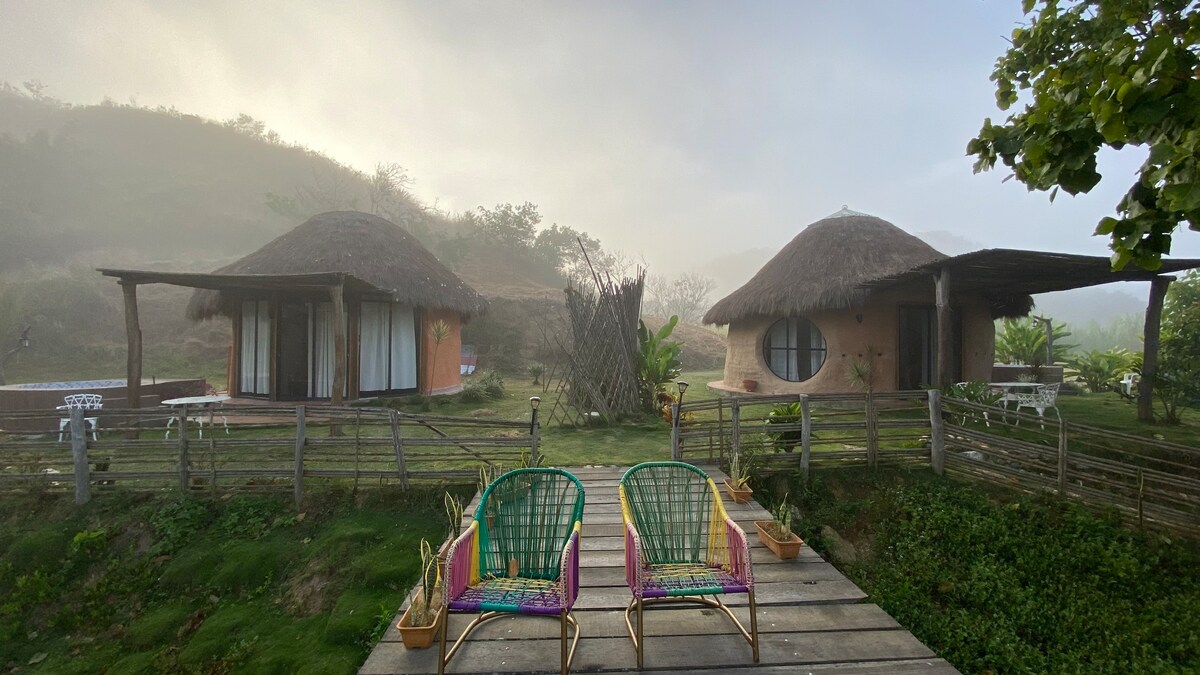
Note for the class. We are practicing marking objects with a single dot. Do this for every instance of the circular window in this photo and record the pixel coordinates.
(794, 349)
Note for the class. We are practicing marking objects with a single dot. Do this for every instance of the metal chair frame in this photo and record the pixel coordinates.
(727, 551)
(467, 566)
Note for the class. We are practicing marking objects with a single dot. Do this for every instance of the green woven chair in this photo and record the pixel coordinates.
(519, 555)
(681, 546)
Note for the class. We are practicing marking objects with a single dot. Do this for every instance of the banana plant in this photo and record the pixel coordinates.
(658, 361)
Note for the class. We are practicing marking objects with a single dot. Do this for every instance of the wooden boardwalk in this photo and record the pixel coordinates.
(811, 618)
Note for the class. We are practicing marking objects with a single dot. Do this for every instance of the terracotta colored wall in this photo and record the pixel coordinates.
(846, 341)
(447, 379)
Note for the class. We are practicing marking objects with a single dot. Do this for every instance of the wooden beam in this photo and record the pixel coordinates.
(1145, 399)
(337, 293)
(133, 355)
(945, 328)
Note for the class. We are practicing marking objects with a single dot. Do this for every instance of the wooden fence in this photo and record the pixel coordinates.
(264, 448)
(1147, 481)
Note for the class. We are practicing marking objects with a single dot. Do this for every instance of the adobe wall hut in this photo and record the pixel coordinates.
(342, 306)
(853, 281)
(800, 323)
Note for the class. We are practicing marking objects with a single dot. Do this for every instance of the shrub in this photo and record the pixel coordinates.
(492, 383)
(473, 392)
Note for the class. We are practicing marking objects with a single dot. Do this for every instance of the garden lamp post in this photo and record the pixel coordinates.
(22, 343)
(534, 403)
(675, 451)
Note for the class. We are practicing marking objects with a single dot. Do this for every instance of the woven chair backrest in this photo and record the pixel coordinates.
(84, 401)
(527, 515)
(671, 504)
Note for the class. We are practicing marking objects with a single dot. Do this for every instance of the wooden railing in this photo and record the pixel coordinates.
(265, 448)
(1146, 480)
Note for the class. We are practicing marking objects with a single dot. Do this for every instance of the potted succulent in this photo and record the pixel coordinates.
(454, 514)
(738, 483)
(776, 534)
(421, 620)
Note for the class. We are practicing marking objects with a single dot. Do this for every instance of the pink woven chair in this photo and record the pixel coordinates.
(519, 555)
(681, 545)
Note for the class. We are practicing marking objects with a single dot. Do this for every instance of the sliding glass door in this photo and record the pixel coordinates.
(254, 362)
(387, 348)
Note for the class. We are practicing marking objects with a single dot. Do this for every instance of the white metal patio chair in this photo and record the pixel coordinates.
(80, 402)
(1046, 396)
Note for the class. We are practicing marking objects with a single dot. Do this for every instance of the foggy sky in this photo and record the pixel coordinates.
(677, 131)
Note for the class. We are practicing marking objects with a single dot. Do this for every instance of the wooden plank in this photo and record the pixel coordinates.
(337, 296)
(830, 591)
(597, 577)
(683, 620)
(615, 654)
(133, 339)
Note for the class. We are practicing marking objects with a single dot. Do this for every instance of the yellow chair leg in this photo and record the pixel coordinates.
(753, 627)
(641, 644)
(442, 642)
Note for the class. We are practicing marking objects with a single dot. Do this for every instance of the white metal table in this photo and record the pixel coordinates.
(204, 402)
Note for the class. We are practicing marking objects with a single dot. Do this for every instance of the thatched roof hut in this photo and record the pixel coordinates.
(823, 267)
(367, 247)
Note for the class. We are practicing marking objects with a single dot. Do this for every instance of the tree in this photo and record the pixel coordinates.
(508, 225)
(1105, 73)
(686, 296)
(1178, 379)
(1024, 343)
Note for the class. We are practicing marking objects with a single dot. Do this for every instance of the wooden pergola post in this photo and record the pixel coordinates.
(133, 356)
(945, 332)
(1145, 398)
(336, 293)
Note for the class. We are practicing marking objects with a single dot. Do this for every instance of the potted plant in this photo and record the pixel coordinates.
(738, 483)
(454, 514)
(777, 535)
(421, 620)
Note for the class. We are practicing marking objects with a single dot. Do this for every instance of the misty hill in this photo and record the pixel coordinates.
(157, 184)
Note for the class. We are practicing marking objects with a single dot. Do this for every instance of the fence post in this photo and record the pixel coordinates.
(398, 446)
(872, 434)
(299, 477)
(735, 420)
(805, 435)
(184, 467)
(676, 455)
(83, 482)
(937, 433)
(1062, 458)
(720, 431)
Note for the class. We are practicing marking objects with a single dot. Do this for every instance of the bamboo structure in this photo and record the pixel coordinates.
(601, 377)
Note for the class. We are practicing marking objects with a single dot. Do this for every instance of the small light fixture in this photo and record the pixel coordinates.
(683, 386)
(534, 402)
(24, 339)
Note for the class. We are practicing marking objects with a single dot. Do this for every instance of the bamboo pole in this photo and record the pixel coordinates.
(937, 433)
(805, 435)
(298, 475)
(945, 332)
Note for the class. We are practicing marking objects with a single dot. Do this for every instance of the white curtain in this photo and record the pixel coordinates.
(816, 345)
(320, 348)
(255, 375)
(373, 347)
(404, 348)
(387, 347)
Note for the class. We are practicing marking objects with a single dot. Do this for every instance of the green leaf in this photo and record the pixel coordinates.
(1182, 196)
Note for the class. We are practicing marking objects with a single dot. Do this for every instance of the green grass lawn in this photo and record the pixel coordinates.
(992, 580)
(158, 583)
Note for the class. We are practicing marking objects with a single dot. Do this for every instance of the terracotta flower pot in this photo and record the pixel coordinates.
(418, 637)
(738, 495)
(750, 385)
(785, 549)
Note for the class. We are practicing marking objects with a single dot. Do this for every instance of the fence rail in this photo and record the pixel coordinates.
(1147, 481)
(248, 448)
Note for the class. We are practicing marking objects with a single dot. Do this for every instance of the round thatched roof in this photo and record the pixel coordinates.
(358, 244)
(822, 267)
